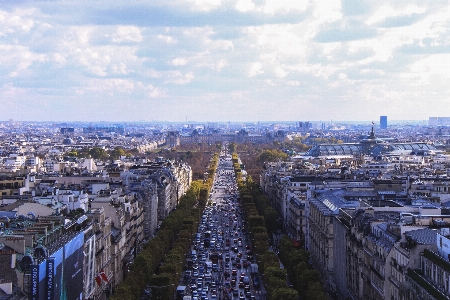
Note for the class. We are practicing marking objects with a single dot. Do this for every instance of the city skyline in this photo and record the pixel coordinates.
(218, 61)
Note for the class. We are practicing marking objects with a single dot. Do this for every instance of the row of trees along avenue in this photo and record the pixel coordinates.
(160, 264)
(262, 222)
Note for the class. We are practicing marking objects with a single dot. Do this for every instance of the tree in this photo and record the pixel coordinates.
(117, 153)
(285, 294)
(83, 153)
(72, 152)
(232, 147)
(98, 153)
(271, 219)
(272, 155)
(315, 292)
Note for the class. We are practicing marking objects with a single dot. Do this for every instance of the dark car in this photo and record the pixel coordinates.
(256, 282)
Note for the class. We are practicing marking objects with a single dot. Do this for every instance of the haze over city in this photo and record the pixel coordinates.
(220, 60)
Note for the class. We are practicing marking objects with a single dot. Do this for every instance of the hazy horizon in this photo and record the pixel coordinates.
(336, 122)
(224, 60)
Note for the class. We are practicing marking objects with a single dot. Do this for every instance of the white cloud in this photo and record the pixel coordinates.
(280, 72)
(152, 92)
(60, 58)
(177, 77)
(283, 6)
(326, 11)
(79, 35)
(127, 34)
(178, 61)
(19, 21)
(270, 82)
(111, 85)
(222, 63)
(16, 60)
(167, 39)
(120, 69)
(205, 5)
(258, 50)
(256, 68)
(245, 5)
(434, 69)
(388, 11)
(342, 76)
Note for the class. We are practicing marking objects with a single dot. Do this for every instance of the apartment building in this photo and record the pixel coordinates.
(371, 231)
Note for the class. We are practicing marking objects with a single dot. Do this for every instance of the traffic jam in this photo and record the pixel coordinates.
(221, 264)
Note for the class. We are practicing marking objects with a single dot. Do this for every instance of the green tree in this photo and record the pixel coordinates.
(83, 153)
(117, 153)
(315, 292)
(271, 156)
(271, 219)
(72, 152)
(285, 294)
(232, 147)
(98, 153)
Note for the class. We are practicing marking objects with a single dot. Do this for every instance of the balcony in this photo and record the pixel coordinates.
(365, 278)
(424, 284)
(436, 259)
(394, 281)
(97, 253)
(396, 266)
(377, 273)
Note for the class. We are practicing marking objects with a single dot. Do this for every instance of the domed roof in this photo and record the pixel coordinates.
(67, 141)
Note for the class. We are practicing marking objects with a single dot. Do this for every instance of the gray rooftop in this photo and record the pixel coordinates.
(423, 236)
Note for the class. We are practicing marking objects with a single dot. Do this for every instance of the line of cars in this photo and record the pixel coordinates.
(220, 262)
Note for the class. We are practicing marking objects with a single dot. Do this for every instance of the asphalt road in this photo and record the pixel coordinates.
(217, 269)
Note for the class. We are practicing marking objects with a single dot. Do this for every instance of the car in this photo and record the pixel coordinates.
(256, 282)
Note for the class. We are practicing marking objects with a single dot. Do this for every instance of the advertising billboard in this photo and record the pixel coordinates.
(73, 269)
(54, 275)
(38, 281)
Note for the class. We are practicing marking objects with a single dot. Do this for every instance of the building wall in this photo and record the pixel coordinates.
(340, 231)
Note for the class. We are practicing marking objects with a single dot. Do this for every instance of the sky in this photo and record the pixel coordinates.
(224, 60)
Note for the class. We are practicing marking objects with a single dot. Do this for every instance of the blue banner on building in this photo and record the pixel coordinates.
(50, 278)
(34, 287)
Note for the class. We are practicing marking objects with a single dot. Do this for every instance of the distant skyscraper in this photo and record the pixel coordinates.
(436, 121)
(433, 121)
(383, 122)
(304, 125)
